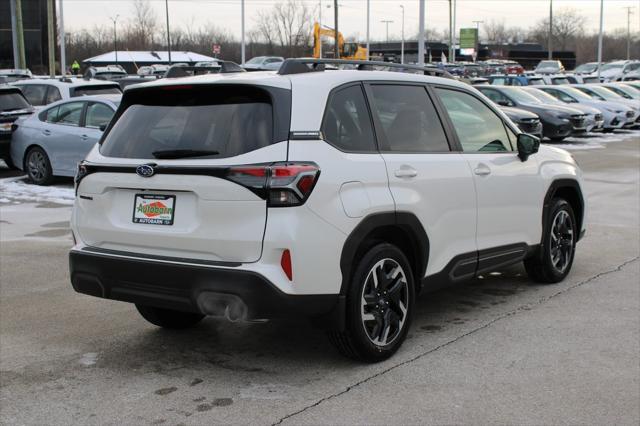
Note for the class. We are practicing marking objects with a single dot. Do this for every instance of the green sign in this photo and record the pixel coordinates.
(468, 38)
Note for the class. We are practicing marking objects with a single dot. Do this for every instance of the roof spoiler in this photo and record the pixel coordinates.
(225, 67)
(304, 65)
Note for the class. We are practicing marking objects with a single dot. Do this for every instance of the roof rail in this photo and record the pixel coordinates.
(224, 67)
(304, 65)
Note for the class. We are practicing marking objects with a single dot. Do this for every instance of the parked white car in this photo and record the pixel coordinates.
(43, 91)
(617, 70)
(349, 193)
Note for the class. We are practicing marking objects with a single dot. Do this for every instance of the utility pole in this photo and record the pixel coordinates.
(402, 42)
(336, 32)
(166, 4)
(14, 33)
(550, 46)
(454, 28)
(22, 62)
(368, 22)
(115, 36)
(320, 25)
(387, 22)
(421, 34)
(63, 53)
(600, 37)
(51, 42)
(450, 31)
(242, 52)
(629, 13)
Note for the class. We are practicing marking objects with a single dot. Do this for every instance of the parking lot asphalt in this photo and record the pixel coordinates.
(493, 350)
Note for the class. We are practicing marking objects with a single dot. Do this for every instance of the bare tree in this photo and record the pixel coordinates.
(142, 26)
(567, 25)
(496, 31)
(288, 24)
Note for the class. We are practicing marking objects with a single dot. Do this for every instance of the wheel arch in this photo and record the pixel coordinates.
(402, 229)
(569, 190)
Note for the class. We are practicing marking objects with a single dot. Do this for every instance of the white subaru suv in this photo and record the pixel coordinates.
(335, 195)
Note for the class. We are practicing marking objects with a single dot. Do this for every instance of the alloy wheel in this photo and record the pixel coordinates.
(384, 302)
(561, 241)
(37, 166)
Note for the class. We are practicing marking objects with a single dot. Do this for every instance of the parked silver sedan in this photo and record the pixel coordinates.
(52, 142)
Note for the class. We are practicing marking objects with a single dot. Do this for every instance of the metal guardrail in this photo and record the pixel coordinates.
(304, 65)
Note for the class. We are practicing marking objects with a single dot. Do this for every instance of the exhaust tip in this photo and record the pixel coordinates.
(224, 305)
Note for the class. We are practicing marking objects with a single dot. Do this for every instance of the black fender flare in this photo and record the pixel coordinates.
(551, 192)
(406, 221)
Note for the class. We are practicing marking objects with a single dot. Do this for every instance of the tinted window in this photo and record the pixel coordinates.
(49, 115)
(68, 114)
(477, 126)
(34, 93)
(98, 115)
(224, 122)
(53, 94)
(10, 101)
(496, 97)
(409, 119)
(346, 123)
(96, 90)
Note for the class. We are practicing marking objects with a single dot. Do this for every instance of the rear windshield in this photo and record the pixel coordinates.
(10, 101)
(96, 90)
(203, 122)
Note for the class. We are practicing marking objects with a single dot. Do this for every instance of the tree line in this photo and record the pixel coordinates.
(286, 30)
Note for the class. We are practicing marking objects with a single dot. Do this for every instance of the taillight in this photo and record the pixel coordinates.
(281, 184)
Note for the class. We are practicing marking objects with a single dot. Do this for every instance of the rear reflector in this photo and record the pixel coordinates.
(285, 263)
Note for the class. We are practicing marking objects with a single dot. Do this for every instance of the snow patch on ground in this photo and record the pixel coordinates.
(595, 140)
(19, 190)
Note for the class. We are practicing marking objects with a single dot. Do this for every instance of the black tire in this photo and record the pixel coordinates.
(554, 260)
(168, 318)
(38, 167)
(556, 140)
(375, 313)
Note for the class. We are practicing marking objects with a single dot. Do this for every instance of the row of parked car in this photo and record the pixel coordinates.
(48, 125)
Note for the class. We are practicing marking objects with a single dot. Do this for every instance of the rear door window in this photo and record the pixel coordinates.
(346, 123)
(409, 120)
(98, 114)
(68, 114)
(203, 122)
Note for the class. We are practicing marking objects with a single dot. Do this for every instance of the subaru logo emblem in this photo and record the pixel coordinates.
(145, 170)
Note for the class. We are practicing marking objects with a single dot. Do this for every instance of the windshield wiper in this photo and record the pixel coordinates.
(182, 153)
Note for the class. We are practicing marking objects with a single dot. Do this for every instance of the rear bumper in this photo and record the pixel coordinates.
(191, 288)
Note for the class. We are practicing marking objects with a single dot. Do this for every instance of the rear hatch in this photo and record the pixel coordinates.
(181, 172)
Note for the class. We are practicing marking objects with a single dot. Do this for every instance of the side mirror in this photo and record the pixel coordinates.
(527, 145)
(103, 127)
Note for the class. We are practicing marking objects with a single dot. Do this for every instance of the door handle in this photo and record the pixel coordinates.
(84, 137)
(406, 172)
(482, 170)
(46, 132)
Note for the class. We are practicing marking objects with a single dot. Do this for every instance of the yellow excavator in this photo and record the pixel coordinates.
(347, 50)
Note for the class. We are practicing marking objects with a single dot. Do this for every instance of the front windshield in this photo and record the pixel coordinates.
(256, 60)
(586, 68)
(606, 93)
(543, 97)
(624, 92)
(547, 64)
(611, 66)
(520, 95)
(578, 94)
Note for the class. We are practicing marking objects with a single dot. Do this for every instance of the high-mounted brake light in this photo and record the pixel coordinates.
(281, 184)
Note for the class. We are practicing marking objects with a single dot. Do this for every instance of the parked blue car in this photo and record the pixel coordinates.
(53, 141)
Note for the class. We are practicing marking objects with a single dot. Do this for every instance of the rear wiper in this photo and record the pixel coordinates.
(182, 153)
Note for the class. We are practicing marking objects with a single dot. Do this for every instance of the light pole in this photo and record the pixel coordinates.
(336, 32)
(242, 52)
(402, 42)
(319, 25)
(450, 32)
(63, 56)
(629, 13)
(421, 34)
(166, 4)
(550, 46)
(600, 37)
(115, 36)
(368, 21)
(384, 21)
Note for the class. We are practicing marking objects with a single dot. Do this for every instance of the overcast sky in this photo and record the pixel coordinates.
(225, 14)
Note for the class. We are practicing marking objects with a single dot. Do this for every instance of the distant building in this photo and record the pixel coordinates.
(34, 21)
(132, 60)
